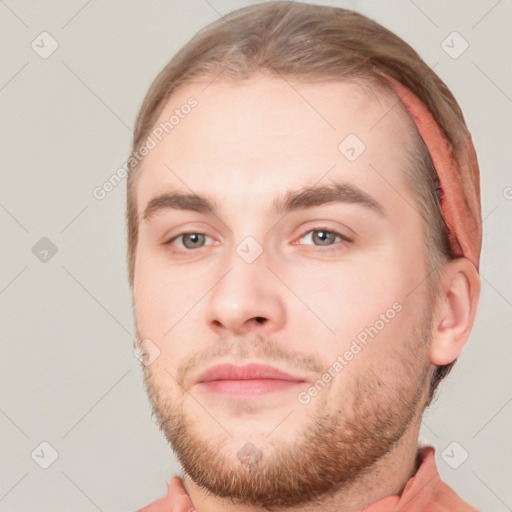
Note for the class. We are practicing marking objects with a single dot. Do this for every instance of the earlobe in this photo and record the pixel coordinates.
(455, 311)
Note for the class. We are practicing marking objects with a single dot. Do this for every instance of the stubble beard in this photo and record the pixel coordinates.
(338, 445)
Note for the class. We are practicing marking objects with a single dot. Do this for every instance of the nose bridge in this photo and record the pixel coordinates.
(246, 296)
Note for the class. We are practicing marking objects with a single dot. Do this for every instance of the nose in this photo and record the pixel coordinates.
(246, 299)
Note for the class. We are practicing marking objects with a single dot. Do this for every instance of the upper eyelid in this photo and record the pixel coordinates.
(180, 231)
(336, 232)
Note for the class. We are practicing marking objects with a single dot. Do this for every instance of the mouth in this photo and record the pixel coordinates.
(248, 380)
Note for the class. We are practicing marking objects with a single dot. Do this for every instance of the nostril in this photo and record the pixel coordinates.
(259, 319)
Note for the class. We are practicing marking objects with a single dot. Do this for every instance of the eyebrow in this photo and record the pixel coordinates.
(178, 201)
(309, 197)
(306, 197)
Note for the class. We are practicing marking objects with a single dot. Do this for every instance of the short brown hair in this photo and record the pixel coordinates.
(311, 43)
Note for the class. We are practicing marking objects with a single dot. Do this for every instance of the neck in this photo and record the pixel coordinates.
(387, 477)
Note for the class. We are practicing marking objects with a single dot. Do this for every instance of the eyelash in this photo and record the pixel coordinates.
(332, 246)
(169, 242)
(342, 237)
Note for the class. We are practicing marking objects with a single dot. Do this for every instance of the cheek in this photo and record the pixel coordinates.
(169, 310)
(347, 296)
(160, 296)
(365, 303)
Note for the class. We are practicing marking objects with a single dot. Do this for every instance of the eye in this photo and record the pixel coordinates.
(322, 236)
(189, 240)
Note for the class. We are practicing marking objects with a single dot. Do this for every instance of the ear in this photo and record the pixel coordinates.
(455, 310)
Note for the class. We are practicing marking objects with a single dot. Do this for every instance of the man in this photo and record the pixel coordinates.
(304, 237)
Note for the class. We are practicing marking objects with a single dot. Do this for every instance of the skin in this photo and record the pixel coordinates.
(299, 304)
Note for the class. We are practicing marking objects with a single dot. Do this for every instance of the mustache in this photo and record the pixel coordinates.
(255, 346)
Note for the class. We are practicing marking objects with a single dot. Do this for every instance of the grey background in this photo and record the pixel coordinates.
(67, 372)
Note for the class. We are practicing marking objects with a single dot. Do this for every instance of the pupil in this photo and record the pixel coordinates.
(193, 240)
(323, 237)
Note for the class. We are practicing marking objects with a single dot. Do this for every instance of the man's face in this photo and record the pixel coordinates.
(327, 290)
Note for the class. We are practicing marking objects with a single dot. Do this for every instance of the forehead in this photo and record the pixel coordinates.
(269, 133)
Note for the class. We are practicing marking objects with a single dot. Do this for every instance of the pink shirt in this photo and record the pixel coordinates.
(424, 492)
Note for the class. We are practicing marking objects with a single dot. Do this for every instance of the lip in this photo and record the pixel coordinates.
(247, 380)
